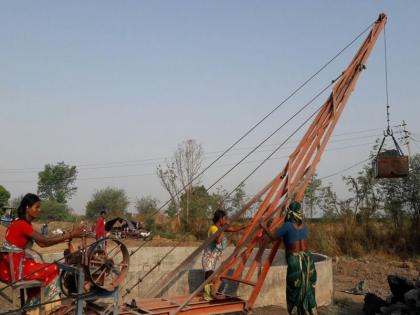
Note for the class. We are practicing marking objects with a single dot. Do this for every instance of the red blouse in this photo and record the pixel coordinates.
(19, 233)
(100, 227)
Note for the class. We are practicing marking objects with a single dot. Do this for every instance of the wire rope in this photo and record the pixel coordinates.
(253, 128)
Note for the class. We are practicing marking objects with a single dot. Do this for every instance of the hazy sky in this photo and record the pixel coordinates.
(114, 86)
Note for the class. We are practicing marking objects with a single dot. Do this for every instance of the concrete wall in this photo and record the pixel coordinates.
(273, 291)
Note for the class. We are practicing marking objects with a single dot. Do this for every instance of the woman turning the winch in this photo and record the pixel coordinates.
(20, 236)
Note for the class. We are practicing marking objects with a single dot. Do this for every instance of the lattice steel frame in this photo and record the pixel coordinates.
(291, 182)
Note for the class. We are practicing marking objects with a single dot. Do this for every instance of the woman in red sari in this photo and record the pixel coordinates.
(20, 235)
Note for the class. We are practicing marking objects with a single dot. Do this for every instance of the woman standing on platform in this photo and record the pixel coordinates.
(301, 273)
(213, 253)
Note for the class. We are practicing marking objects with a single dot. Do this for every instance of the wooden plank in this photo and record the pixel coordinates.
(197, 305)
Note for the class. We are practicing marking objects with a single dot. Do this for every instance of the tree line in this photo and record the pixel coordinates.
(189, 209)
(190, 205)
(378, 214)
(396, 199)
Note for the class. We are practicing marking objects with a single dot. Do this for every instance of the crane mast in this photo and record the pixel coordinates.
(290, 183)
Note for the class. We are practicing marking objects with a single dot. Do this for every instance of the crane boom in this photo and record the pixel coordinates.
(291, 182)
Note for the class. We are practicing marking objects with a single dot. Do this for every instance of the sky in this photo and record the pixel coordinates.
(114, 86)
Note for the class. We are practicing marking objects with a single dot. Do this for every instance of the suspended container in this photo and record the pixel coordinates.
(390, 163)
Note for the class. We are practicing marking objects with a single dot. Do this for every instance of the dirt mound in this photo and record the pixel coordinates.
(54, 225)
(37, 226)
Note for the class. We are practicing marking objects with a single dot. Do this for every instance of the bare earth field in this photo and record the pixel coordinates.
(348, 272)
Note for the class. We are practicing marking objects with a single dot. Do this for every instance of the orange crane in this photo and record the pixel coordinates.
(290, 183)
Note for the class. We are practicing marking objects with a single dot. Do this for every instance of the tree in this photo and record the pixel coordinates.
(366, 192)
(392, 195)
(4, 197)
(172, 211)
(232, 203)
(55, 211)
(329, 203)
(411, 189)
(178, 174)
(411, 193)
(113, 200)
(201, 207)
(56, 182)
(146, 206)
(312, 194)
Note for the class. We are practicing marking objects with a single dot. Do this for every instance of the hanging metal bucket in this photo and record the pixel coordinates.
(390, 164)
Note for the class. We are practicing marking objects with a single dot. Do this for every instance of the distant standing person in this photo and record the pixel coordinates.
(44, 229)
(100, 226)
(301, 273)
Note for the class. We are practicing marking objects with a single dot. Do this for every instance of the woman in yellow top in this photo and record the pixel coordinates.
(214, 252)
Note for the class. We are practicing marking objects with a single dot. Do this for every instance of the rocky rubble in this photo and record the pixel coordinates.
(405, 299)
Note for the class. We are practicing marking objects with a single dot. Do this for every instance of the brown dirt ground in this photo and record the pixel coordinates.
(348, 272)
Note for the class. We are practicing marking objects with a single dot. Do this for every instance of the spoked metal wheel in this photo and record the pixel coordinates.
(108, 264)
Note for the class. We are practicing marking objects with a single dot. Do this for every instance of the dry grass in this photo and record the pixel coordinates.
(356, 240)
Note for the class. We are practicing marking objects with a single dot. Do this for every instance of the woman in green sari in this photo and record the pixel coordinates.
(301, 273)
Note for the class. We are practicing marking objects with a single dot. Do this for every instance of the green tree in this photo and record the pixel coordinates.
(113, 200)
(52, 210)
(200, 207)
(411, 190)
(172, 211)
(405, 205)
(146, 206)
(328, 202)
(392, 195)
(235, 201)
(366, 193)
(311, 198)
(56, 182)
(4, 197)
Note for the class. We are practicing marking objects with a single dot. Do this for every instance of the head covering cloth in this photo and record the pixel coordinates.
(294, 212)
